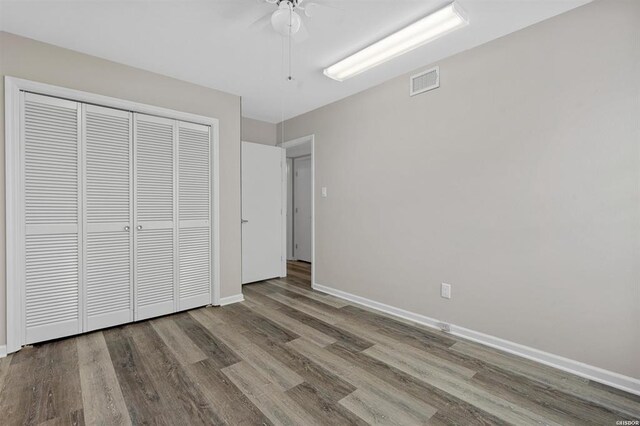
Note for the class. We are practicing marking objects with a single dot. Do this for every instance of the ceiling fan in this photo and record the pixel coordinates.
(286, 20)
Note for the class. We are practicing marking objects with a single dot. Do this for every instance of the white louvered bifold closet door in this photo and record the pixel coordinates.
(52, 243)
(155, 232)
(114, 217)
(107, 220)
(194, 213)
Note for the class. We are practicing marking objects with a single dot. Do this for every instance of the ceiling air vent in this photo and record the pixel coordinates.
(424, 81)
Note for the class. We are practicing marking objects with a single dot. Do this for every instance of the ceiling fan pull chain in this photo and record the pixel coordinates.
(290, 78)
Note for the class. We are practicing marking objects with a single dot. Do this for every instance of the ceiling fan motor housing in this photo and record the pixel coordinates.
(284, 20)
(293, 3)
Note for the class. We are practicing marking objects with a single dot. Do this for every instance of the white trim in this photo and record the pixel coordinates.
(82, 217)
(215, 225)
(18, 84)
(14, 213)
(176, 215)
(13, 181)
(296, 142)
(283, 213)
(3, 351)
(231, 299)
(597, 374)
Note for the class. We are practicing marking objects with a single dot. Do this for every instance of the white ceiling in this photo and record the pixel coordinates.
(213, 43)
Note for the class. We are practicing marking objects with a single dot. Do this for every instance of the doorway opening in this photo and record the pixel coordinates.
(300, 228)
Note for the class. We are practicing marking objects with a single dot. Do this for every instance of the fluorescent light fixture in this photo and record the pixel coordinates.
(429, 28)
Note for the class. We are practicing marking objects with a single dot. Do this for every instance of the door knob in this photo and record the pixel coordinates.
(126, 228)
(139, 227)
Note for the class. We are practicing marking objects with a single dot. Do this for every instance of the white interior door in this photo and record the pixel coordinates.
(155, 210)
(51, 198)
(262, 212)
(108, 207)
(302, 208)
(194, 213)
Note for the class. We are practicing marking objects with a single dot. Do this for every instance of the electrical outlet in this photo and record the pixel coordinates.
(445, 291)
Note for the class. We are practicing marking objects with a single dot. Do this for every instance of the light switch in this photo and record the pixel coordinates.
(324, 191)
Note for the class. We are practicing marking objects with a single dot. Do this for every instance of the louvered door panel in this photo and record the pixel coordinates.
(51, 161)
(194, 205)
(195, 267)
(108, 277)
(194, 172)
(154, 169)
(154, 273)
(51, 203)
(107, 226)
(51, 292)
(155, 206)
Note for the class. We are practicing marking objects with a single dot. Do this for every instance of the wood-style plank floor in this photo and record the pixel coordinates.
(289, 355)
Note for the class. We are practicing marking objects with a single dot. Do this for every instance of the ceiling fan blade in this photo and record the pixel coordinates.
(302, 35)
(240, 10)
(261, 22)
(310, 8)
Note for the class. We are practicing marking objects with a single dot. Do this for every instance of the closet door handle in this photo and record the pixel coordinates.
(139, 227)
(126, 228)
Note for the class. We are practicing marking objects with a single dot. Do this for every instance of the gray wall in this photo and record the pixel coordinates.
(258, 131)
(299, 150)
(28, 59)
(517, 182)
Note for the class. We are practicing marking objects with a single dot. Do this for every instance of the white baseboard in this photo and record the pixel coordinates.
(231, 299)
(616, 380)
(3, 351)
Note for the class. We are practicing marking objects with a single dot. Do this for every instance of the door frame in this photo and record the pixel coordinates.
(14, 186)
(283, 212)
(289, 144)
(288, 191)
